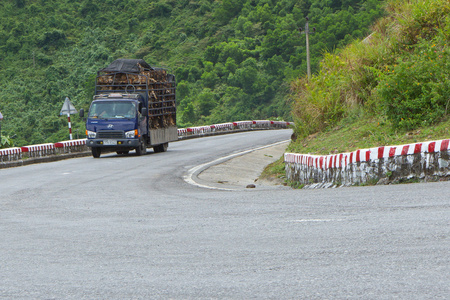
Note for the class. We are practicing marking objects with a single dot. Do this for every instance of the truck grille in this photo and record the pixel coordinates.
(111, 134)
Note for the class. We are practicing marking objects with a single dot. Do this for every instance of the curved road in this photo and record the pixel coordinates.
(132, 228)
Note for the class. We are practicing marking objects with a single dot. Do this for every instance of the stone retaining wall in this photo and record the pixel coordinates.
(428, 161)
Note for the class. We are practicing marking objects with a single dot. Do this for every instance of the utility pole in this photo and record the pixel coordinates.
(1, 118)
(307, 32)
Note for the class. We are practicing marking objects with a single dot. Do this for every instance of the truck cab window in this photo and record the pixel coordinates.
(112, 110)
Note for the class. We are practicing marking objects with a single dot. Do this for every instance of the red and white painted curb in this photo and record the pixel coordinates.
(10, 154)
(344, 159)
(232, 126)
(16, 153)
(40, 150)
(424, 161)
(70, 143)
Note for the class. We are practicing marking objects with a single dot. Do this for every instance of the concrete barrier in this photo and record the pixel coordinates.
(230, 127)
(427, 161)
(10, 154)
(71, 146)
(38, 150)
(74, 148)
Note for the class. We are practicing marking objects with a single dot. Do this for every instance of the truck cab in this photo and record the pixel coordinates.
(116, 122)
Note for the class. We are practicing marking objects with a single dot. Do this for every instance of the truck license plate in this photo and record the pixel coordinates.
(109, 142)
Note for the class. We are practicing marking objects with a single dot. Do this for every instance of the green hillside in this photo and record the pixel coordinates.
(390, 88)
(233, 59)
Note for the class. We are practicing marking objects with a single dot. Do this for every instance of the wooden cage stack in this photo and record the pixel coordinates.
(159, 85)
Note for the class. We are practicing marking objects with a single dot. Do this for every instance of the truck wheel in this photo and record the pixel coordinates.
(96, 152)
(142, 149)
(161, 148)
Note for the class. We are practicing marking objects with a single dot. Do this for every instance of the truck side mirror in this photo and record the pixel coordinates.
(145, 111)
(81, 112)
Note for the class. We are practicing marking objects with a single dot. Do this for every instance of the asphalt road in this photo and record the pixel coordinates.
(128, 227)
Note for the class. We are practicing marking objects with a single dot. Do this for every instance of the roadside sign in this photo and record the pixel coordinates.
(68, 108)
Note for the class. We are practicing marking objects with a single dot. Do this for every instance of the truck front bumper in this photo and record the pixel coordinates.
(113, 143)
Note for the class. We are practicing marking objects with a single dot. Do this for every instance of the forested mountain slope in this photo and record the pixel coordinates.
(233, 59)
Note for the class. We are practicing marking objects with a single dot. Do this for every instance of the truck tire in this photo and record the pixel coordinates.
(142, 149)
(96, 152)
(161, 148)
(157, 149)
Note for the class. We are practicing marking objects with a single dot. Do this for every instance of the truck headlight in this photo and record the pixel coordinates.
(91, 134)
(131, 134)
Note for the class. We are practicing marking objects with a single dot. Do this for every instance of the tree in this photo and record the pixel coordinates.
(206, 102)
(209, 79)
(188, 115)
(228, 10)
(183, 90)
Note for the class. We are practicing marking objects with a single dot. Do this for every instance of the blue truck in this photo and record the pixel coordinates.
(134, 107)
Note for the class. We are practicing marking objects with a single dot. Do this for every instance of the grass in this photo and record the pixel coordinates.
(352, 133)
(365, 131)
(275, 172)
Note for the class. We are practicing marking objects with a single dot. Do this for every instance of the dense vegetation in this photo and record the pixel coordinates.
(233, 59)
(394, 83)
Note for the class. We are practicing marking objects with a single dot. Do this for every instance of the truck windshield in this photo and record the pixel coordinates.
(112, 110)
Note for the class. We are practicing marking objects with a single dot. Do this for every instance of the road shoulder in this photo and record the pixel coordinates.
(243, 170)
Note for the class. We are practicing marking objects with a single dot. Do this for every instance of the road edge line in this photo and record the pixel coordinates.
(195, 171)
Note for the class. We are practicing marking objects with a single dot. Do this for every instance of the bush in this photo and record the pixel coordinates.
(415, 91)
(401, 71)
(6, 142)
(322, 100)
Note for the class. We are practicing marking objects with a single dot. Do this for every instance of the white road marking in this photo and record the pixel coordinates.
(316, 220)
(197, 169)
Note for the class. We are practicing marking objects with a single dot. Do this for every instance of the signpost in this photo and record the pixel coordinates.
(68, 109)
